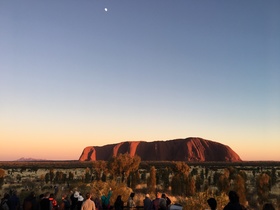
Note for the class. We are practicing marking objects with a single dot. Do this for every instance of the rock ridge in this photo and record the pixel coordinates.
(192, 149)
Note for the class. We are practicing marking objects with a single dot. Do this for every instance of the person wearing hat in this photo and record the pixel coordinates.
(147, 202)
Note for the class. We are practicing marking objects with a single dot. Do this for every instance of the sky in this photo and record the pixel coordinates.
(74, 75)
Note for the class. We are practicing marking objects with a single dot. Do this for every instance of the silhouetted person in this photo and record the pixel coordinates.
(98, 204)
(80, 202)
(14, 202)
(233, 203)
(74, 199)
(30, 202)
(118, 205)
(212, 203)
(155, 205)
(65, 203)
(268, 206)
(4, 201)
(147, 202)
(54, 202)
(45, 203)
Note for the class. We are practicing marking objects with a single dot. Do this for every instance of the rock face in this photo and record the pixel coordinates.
(189, 149)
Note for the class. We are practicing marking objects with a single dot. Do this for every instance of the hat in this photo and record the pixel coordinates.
(147, 195)
(80, 198)
(76, 194)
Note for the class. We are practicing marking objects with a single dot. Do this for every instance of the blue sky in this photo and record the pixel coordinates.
(74, 75)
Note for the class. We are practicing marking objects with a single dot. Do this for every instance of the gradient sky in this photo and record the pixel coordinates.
(73, 75)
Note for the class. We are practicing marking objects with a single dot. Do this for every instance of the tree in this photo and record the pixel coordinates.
(163, 177)
(177, 186)
(2, 175)
(198, 183)
(151, 182)
(100, 168)
(190, 186)
(47, 178)
(123, 164)
(182, 168)
(70, 176)
(180, 179)
(87, 175)
(223, 182)
(240, 188)
(52, 175)
(263, 183)
(134, 179)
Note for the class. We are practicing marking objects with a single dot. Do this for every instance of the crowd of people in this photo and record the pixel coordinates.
(76, 201)
(234, 203)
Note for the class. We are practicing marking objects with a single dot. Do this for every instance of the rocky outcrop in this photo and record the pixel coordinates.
(189, 149)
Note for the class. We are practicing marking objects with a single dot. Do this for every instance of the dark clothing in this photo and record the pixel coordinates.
(29, 203)
(156, 204)
(98, 205)
(79, 205)
(234, 206)
(45, 204)
(64, 205)
(13, 202)
(162, 204)
(4, 204)
(147, 204)
(73, 202)
(118, 205)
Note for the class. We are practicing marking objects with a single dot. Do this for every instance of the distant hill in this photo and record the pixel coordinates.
(23, 159)
(189, 149)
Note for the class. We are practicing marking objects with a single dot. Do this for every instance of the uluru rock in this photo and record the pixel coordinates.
(189, 149)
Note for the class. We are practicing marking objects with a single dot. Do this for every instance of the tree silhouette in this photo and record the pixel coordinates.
(263, 183)
(240, 187)
(123, 164)
(151, 182)
(100, 168)
(180, 180)
(2, 175)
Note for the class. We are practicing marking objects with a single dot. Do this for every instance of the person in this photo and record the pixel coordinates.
(268, 206)
(65, 203)
(162, 202)
(74, 199)
(4, 202)
(54, 202)
(155, 202)
(80, 202)
(13, 201)
(98, 204)
(147, 202)
(233, 203)
(118, 205)
(130, 202)
(30, 203)
(45, 203)
(88, 204)
(105, 200)
(212, 203)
